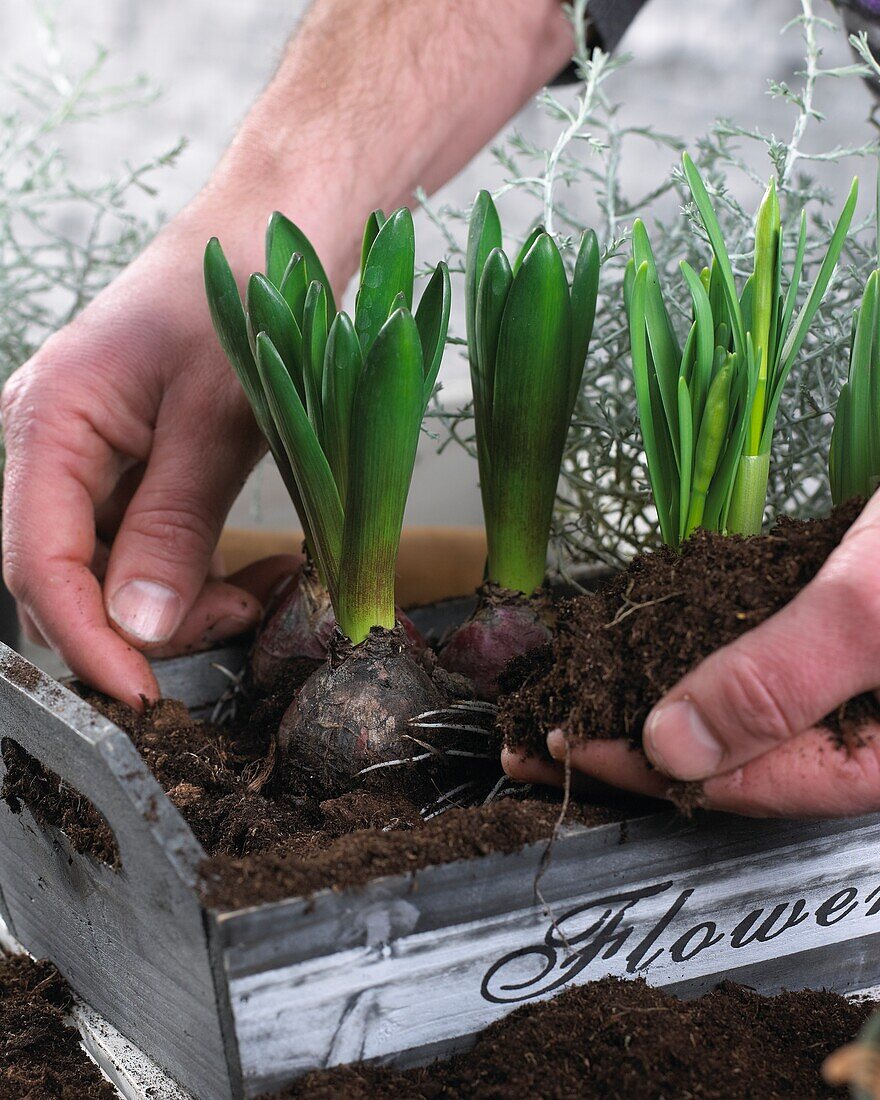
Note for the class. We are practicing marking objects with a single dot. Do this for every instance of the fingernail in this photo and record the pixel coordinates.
(556, 744)
(146, 610)
(229, 627)
(679, 743)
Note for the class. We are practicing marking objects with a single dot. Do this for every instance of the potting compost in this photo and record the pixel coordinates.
(40, 1053)
(611, 1039)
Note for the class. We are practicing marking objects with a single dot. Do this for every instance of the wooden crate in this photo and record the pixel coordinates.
(231, 1004)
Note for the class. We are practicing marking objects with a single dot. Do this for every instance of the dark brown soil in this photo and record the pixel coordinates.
(620, 649)
(40, 1055)
(267, 835)
(622, 1040)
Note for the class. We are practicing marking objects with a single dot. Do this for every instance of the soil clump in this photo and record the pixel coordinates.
(619, 649)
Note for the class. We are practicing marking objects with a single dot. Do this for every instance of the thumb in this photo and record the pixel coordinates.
(162, 552)
(781, 678)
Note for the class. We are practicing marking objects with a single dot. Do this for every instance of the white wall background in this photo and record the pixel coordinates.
(694, 60)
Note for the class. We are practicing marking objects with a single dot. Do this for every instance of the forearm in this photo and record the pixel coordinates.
(375, 98)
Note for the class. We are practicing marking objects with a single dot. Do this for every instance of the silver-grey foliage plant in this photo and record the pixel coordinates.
(63, 235)
(604, 509)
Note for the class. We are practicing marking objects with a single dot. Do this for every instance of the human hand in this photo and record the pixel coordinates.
(743, 723)
(127, 440)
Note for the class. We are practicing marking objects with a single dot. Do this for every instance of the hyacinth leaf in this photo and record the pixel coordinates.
(371, 231)
(653, 429)
(719, 252)
(686, 450)
(388, 272)
(661, 336)
(283, 239)
(315, 323)
(268, 312)
(432, 321)
(704, 340)
(343, 363)
(798, 334)
(295, 286)
(584, 293)
(527, 247)
(314, 478)
(384, 439)
(484, 235)
(230, 321)
(491, 299)
(531, 391)
(230, 324)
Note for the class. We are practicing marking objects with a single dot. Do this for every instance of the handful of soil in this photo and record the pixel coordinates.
(618, 650)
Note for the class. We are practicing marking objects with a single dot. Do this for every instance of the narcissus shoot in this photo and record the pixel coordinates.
(528, 334)
(854, 457)
(708, 408)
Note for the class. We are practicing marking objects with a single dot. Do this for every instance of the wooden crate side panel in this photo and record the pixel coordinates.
(132, 942)
(782, 916)
(272, 935)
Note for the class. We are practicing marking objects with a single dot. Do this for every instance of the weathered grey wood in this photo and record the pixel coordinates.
(198, 680)
(132, 1074)
(131, 942)
(380, 974)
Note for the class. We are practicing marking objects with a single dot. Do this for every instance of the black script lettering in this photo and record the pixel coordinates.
(874, 909)
(634, 958)
(837, 907)
(558, 960)
(739, 937)
(558, 936)
(679, 951)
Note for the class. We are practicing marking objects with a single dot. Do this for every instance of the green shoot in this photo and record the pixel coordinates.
(528, 335)
(854, 456)
(708, 409)
(339, 400)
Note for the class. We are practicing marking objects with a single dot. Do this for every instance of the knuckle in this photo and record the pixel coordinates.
(15, 573)
(749, 701)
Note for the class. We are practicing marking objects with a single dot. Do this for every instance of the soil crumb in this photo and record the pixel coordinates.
(40, 1054)
(623, 1040)
(620, 649)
